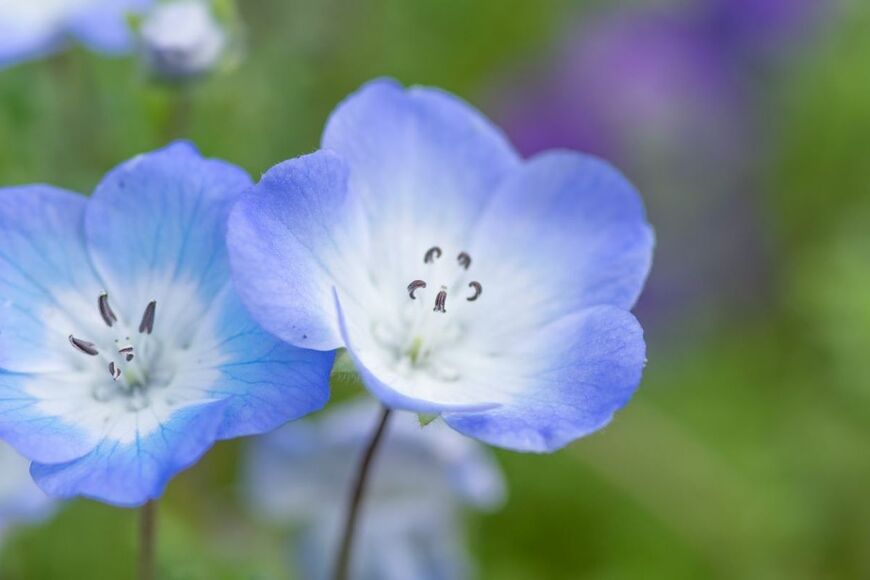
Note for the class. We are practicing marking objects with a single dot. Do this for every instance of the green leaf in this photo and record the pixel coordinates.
(426, 418)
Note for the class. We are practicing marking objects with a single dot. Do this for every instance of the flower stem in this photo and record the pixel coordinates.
(342, 562)
(179, 112)
(147, 540)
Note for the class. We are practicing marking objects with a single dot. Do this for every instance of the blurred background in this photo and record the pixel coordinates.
(744, 123)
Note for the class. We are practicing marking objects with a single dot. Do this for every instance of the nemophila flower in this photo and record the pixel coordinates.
(182, 39)
(34, 28)
(20, 500)
(462, 280)
(124, 351)
(411, 521)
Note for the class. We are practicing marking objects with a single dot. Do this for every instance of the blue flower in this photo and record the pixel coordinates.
(462, 280)
(410, 525)
(34, 28)
(125, 353)
(20, 500)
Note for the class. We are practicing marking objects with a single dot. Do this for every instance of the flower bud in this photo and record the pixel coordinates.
(182, 40)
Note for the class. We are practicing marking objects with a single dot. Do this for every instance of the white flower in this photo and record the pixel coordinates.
(183, 39)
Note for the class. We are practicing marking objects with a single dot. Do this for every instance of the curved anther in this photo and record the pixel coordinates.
(83, 346)
(127, 351)
(432, 254)
(105, 310)
(464, 260)
(114, 371)
(478, 290)
(414, 286)
(441, 300)
(147, 324)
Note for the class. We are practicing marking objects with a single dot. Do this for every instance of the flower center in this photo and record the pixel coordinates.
(423, 338)
(432, 254)
(132, 362)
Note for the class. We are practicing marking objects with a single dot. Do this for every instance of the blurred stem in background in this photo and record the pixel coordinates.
(178, 113)
(147, 540)
(342, 561)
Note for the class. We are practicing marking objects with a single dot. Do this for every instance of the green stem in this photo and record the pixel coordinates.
(147, 540)
(342, 562)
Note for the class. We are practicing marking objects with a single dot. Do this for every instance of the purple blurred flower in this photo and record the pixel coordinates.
(761, 24)
(655, 92)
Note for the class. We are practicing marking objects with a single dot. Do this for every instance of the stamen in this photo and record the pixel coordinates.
(127, 351)
(106, 311)
(83, 346)
(414, 286)
(432, 254)
(147, 324)
(441, 300)
(478, 290)
(114, 371)
(464, 260)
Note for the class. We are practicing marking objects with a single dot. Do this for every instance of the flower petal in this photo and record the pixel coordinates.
(423, 162)
(158, 221)
(580, 371)
(264, 381)
(46, 277)
(292, 238)
(29, 422)
(130, 474)
(20, 43)
(566, 232)
(104, 26)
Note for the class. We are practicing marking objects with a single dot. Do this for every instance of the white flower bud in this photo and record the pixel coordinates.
(182, 39)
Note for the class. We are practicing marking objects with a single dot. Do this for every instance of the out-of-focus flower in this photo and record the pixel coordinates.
(34, 28)
(462, 280)
(125, 353)
(183, 39)
(750, 26)
(409, 525)
(653, 91)
(20, 500)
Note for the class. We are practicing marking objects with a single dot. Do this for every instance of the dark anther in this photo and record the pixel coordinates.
(83, 346)
(127, 351)
(414, 286)
(478, 290)
(106, 311)
(464, 260)
(147, 324)
(432, 254)
(441, 301)
(114, 371)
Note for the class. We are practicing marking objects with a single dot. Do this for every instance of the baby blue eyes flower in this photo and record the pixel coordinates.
(125, 353)
(182, 39)
(20, 500)
(411, 527)
(463, 280)
(34, 28)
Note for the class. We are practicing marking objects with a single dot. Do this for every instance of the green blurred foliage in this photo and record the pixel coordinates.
(743, 456)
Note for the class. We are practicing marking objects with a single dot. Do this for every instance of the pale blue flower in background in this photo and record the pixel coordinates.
(21, 502)
(182, 39)
(462, 280)
(32, 29)
(125, 352)
(411, 524)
